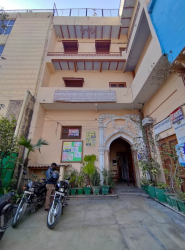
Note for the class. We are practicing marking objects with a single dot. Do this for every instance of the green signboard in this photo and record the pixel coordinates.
(72, 151)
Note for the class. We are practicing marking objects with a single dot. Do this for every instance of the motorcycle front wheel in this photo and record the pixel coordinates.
(19, 212)
(54, 214)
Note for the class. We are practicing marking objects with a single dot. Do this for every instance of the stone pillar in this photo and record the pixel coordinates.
(101, 149)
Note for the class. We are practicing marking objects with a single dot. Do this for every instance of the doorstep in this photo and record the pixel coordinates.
(139, 194)
(166, 205)
(93, 197)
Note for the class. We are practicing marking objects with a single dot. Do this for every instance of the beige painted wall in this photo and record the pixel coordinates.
(89, 46)
(47, 124)
(143, 53)
(77, 20)
(92, 79)
(168, 97)
(23, 51)
(133, 16)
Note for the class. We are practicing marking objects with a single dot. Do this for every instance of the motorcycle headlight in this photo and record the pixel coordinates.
(31, 189)
(61, 189)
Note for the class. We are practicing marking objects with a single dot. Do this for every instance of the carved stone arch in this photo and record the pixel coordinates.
(116, 136)
(117, 117)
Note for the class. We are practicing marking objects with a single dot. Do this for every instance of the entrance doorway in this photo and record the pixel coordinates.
(121, 162)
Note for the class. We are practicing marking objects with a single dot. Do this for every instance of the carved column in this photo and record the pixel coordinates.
(101, 148)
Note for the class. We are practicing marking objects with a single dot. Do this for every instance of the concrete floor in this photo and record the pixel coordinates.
(130, 222)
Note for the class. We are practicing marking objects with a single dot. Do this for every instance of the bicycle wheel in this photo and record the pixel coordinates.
(54, 214)
(19, 212)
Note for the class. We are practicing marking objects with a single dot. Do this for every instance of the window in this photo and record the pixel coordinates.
(6, 26)
(71, 132)
(73, 82)
(1, 49)
(117, 84)
(102, 46)
(70, 46)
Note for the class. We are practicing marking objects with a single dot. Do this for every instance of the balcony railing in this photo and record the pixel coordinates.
(74, 12)
(83, 54)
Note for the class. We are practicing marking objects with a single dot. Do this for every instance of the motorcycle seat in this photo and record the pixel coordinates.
(4, 201)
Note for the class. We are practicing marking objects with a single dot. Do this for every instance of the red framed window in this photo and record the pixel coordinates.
(102, 46)
(117, 84)
(70, 46)
(73, 82)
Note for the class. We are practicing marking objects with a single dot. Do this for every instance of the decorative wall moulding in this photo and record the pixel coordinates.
(84, 96)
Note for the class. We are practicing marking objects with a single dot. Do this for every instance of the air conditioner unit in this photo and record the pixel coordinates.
(147, 121)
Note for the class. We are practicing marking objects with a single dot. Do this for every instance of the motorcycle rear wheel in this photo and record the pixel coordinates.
(54, 214)
(19, 212)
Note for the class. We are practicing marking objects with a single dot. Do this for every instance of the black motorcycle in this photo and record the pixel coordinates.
(34, 197)
(59, 202)
(6, 212)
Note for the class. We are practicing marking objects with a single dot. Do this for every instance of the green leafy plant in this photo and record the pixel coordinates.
(173, 171)
(8, 142)
(95, 178)
(88, 167)
(80, 180)
(162, 185)
(150, 168)
(180, 195)
(73, 173)
(3, 16)
(108, 178)
(27, 143)
(144, 181)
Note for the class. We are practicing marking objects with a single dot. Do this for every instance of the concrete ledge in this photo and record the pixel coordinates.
(93, 197)
(166, 205)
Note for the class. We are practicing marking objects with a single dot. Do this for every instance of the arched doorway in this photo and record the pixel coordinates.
(121, 164)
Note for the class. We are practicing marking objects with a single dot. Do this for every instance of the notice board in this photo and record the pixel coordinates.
(90, 138)
(72, 151)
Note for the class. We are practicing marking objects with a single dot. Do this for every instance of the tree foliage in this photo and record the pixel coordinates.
(27, 143)
(3, 17)
(8, 142)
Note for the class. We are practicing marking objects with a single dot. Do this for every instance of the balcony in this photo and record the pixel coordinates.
(86, 98)
(86, 54)
(86, 61)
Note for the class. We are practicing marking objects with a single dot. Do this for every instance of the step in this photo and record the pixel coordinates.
(93, 197)
(118, 191)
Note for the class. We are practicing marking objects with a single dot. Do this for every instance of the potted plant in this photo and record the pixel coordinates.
(88, 168)
(95, 179)
(153, 169)
(73, 180)
(108, 181)
(144, 184)
(160, 190)
(181, 200)
(80, 181)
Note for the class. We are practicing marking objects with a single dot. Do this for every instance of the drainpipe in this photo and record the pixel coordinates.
(21, 113)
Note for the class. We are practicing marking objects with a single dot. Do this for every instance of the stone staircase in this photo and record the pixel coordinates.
(123, 189)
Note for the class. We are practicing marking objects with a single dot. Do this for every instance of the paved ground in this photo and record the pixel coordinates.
(130, 222)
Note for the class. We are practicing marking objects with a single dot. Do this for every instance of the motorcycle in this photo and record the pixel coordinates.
(6, 212)
(59, 202)
(34, 196)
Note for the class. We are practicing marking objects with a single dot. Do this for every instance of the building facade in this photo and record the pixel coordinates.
(90, 75)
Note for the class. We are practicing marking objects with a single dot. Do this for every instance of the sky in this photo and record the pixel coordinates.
(60, 4)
